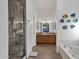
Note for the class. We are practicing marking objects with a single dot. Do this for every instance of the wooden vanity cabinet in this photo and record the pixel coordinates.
(46, 39)
(52, 39)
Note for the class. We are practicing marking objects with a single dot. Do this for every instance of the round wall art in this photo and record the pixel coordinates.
(73, 15)
(65, 27)
(75, 20)
(68, 21)
(62, 21)
(65, 16)
(72, 26)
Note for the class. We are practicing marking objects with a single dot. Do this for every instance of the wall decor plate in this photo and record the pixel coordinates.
(65, 16)
(72, 26)
(65, 27)
(73, 15)
(75, 20)
(68, 21)
(62, 21)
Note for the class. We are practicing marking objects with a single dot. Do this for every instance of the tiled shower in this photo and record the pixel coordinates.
(16, 22)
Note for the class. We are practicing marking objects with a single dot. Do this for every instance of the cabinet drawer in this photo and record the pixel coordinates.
(42, 39)
(52, 39)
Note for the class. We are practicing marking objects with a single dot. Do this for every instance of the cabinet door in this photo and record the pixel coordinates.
(45, 39)
(52, 39)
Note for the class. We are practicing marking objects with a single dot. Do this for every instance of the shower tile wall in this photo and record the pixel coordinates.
(16, 28)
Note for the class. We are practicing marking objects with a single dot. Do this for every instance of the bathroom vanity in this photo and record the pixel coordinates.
(46, 38)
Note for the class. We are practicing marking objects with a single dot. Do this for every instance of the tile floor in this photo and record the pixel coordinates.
(46, 52)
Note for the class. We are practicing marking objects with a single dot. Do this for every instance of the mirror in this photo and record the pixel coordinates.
(46, 26)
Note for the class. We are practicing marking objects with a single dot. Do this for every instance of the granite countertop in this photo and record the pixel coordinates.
(44, 33)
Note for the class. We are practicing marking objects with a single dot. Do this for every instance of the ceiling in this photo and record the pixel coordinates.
(45, 8)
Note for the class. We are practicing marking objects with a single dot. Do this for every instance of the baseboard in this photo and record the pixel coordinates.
(25, 57)
(33, 54)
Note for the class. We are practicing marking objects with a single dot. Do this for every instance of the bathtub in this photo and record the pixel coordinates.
(69, 52)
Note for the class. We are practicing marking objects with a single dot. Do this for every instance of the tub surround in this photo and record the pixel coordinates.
(69, 52)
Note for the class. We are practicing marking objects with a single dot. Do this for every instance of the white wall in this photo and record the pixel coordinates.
(29, 39)
(30, 27)
(67, 36)
(71, 5)
(45, 9)
(3, 29)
